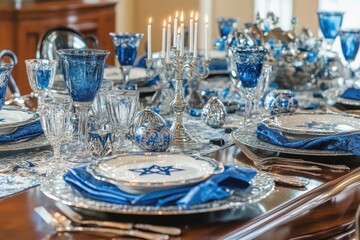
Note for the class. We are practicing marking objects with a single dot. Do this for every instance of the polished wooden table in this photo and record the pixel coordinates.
(324, 210)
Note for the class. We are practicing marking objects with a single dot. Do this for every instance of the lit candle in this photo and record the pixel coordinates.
(149, 39)
(168, 42)
(178, 40)
(196, 35)
(175, 29)
(163, 40)
(182, 34)
(206, 37)
(191, 32)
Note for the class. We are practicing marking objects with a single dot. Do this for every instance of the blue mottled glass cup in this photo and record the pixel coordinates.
(226, 25)
(83, 74)
(126, 48)
(350, 40)
(330, 22)
(41, 75)
(5, 71)
(249, 68)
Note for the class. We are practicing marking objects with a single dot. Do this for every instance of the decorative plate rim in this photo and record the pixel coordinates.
(32, 118)
(261, 186)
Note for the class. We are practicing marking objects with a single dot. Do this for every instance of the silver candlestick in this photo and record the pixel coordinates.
(179, 67)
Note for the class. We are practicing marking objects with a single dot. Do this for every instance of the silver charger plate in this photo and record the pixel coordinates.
(11, 118)
(137, 75)
(313, 123)
(25, 144)
(248, 137)
(141, 173)
(261, 186)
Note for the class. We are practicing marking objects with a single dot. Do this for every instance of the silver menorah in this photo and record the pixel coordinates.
(178, 67)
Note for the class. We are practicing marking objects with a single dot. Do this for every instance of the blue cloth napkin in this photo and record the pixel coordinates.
(351, 93)
(348, 142)
(26, 131)
(215, 188)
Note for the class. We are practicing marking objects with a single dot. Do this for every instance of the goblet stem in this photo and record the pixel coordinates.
(81, 110)
(126, 73)
(248, 108)
(329, 44)
(57, 154)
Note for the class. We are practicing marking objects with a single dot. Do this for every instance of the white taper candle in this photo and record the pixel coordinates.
(182, 34)
(195, 35)
(163, 40)
(175, 29)
(206, 37)
(191, 43)
(149, 39)
(168, 42)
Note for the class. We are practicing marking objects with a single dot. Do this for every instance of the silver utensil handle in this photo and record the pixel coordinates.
(174, 231)
(288, 180)
(116, 232)
(107, 224)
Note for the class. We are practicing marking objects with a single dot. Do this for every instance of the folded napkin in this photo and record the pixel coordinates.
(348, 142)
(351, 93)
(215, 188)
(26, 131)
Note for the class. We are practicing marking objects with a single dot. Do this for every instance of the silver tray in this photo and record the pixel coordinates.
(261, 186)
(248, 137)
(25, 144)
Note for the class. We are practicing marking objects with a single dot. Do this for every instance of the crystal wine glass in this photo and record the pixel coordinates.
(55, 119)
(249, 66)
(349, 45)
(122, 106)
(5, 71)
(330, 23)
(126, 48)
(83, 74)
(41, 75)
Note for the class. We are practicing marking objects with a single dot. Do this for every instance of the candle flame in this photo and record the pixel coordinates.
(169, 20)
(196, 16)
(164, 22)
(182, 16)
(191, 14)
(150, 20)
(206, 19)
(176, 14)
(178, 31)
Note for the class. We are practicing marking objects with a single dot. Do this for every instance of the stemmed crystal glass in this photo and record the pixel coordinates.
(330, 22)
(83, 74)
(349, 45)
(5, 71)
(41, 75)
(55, 119)
(122, 106)
(249, 66)
(126, 48)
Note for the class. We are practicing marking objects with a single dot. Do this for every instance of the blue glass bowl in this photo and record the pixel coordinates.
(5, 70)
(83, 72)
(249, 63)
(226, 25)
(330, 23)
(349, 43)
(126, 47)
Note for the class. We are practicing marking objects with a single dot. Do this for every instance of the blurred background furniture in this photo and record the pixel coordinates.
(24, 22)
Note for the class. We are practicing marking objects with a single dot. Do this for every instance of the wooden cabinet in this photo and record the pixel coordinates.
(23, 23)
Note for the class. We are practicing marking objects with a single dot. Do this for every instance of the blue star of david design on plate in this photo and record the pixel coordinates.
(156, 169)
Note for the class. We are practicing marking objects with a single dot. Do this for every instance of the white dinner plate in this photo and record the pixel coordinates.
(314, 124)
(140, 173)
(11, 118)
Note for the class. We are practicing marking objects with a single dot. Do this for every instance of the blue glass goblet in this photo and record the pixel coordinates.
(330, 23)
(349, 45)
(226, 25)
(249, 66)
(5, 71)
(83, 74)
(41, 75)
(126, 48)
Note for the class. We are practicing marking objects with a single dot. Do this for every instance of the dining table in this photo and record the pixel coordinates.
(324, 208)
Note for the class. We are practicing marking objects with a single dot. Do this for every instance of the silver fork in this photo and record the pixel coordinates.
(289, 163)
(61, 224)
(76, 217)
